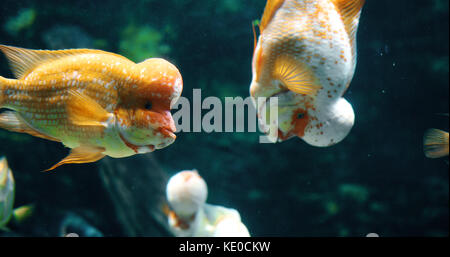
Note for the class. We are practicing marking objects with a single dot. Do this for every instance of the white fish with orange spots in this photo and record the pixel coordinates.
(306, 56)
(95, 102)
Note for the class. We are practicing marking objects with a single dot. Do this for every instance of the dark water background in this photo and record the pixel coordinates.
(376, 180)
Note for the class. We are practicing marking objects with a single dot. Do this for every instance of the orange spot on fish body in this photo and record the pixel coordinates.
(187, 176)
(300, 124)
(179, 223)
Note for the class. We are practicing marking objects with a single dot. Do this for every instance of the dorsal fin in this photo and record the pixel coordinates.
(23, 61)
(350, 11)
(269, 11)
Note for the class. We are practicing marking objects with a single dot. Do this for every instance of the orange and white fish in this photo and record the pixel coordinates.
(435, 143)
(306, 56)
(96, 103)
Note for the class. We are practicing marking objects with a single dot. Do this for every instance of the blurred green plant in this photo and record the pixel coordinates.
(331, 207)
(355, 192)
(440, 6)
(140, 43)
(440, 65)
(231, 5)
(24, 19)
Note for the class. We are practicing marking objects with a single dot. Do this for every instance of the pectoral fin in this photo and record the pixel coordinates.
(84, 111)
(295, 75)
(82, 154)
(12, 121)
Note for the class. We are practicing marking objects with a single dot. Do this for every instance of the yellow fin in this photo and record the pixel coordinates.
(269, 11)
(12, 121)
(435, 143)
(82, 154)
(84, 111)
(23, 61)
(295, 75)
(2, 85)
(350, 11)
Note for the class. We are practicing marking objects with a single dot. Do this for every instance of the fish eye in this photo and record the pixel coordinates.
(300, 115)
(148, 105)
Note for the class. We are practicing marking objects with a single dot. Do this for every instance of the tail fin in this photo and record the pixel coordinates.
(435, 143)
(3, 82)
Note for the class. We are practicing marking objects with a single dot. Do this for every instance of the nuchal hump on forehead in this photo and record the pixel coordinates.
(306, 56)
(97, 103)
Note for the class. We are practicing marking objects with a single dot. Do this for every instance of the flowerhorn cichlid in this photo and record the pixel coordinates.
(306, 56)
(96, 103)
(190, 216)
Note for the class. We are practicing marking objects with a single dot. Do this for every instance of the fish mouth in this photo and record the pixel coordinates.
(277, 94)
(137, 148)
(168, 132)
(285, 101)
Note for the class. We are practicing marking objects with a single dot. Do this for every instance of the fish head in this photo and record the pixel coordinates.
(143, 114)
(318, 124)
(186, 193)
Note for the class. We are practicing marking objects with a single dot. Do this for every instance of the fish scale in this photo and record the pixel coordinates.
(51, 97)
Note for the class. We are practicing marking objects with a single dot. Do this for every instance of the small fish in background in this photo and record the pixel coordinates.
(7, 191)
(435, 143)
(191, 216)
(95, 102)
(306, 56)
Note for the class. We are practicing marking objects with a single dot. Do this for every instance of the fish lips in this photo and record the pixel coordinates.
(287, 103)
(168, 132)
